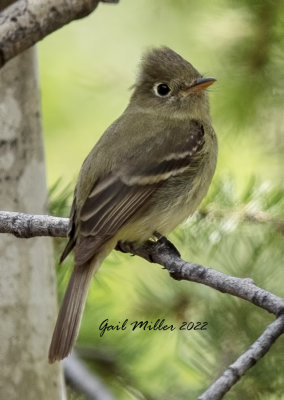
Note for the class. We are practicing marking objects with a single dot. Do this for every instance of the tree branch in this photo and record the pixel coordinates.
(27, 225)
(164, 253)
(85, 382)
(25, 22)
(247, 360)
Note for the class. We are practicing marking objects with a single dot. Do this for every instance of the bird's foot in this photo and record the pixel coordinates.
(126, 247)
(164, 242)
(136, 248)
(148, 248)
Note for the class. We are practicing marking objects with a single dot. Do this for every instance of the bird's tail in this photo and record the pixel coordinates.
(70, 314)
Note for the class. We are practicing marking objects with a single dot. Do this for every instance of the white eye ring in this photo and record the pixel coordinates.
(162, 89)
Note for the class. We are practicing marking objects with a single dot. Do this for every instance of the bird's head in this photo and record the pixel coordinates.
(169, 84)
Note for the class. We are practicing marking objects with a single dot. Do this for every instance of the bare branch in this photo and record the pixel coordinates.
(27, 225)
(164, 253)
(79, 377)
(161, 252)
(25, 22)
(247, 360)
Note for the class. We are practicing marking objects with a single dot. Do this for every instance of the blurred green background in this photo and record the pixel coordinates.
(86, 70)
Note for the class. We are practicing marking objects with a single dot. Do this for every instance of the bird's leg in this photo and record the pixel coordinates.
(148, 248)
(165, 242)
(123, 246)
(136, 248)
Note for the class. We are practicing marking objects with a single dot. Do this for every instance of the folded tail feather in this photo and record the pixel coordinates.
(70, 314)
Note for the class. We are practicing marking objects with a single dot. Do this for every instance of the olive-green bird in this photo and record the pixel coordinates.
(147, 173)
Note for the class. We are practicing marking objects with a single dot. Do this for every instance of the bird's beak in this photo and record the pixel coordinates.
(198, 84)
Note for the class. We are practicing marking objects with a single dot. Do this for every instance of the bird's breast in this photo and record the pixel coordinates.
(176, 200)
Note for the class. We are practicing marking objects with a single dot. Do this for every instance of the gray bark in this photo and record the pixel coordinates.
(27, 225)
(84, 381)
(27, 284)
(247, 360)
(27, 21)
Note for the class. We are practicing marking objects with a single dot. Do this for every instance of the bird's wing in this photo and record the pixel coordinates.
(115, 198)
(71, 231)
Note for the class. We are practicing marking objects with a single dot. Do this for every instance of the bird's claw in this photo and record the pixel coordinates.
(133, 247)
(166, 243)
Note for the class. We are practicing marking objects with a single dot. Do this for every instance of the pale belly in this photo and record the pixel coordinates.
(172, 205)
(175, 200)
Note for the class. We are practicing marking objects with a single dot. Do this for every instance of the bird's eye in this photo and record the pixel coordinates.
(161, 89)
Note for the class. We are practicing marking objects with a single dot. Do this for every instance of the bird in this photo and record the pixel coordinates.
(147, 173)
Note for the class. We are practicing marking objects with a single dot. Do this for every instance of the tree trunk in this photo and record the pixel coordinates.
(27, 280)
